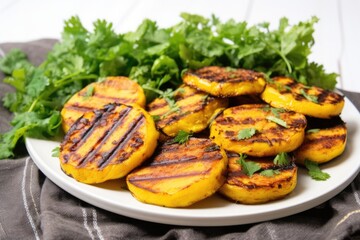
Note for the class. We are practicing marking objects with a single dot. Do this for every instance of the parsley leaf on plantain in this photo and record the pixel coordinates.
(282, 159)
(182, 137)
(248, 167)
(246, 133)
(277, 120)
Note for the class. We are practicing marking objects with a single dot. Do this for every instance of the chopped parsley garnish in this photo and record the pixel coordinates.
(277, 120)
(246, 133)
(282, 159)
(269, 172)
(182, 137)
(275, 111)
(156, 118)
(311, 98)
(315, 172)
(55, 152)
(89, 91)
(248, 167)
(313, 130)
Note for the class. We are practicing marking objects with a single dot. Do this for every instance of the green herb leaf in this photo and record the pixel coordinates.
(277, 121)
(182, 137)
(314, 130)
(248, 167)
(309, 97)
(282, 159)
(275, 111)
(269, 172)
(246, 133)
(89, 91)
(156, 118)
(55, 152)
(315, 172)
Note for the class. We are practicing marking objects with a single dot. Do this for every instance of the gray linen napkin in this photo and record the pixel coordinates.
(32, 207)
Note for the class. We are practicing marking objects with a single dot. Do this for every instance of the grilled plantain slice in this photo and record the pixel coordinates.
(96, 95)
(269, 183)
(258, 130)
(324, 140)
(190, 110)
(108, 143)
(225, 81)
(180, 174)
(283, 92)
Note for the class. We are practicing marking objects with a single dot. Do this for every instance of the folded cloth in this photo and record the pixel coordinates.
(32, 207)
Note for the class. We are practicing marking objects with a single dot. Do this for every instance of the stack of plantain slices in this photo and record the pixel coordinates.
(224, 130)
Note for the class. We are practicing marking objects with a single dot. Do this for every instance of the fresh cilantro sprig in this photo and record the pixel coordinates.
(313, 130)
(315, 172)
(282, 159)
(251, 167)
(248, 167)
(311, 98)
(246, 133)
(277, 120)
(182, 137)
(154, 57)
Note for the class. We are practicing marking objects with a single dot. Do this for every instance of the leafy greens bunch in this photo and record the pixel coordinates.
(154, 57)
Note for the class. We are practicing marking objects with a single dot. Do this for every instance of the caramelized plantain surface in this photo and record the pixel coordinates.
(268, 138)
(256, 189)
(283, 92)
(108, 143)
(225, 81)
(324, 141)
(179, 175)
(191, 111)
(98, 94)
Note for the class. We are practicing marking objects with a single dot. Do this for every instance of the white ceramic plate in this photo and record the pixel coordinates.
(214, 211)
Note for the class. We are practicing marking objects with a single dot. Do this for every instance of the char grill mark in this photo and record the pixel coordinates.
(135, 179)
(118, 122)
(234, 176)
(77, 108)
(220, 75)
(327, 141)
(184, 110)
(185, 159)
(107, 98)
(84, 133)
(232, 121)
(121, 144)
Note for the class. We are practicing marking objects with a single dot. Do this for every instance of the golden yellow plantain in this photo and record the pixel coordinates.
(258, 130)
(179, 175)
(259, 187)
(324, 140)
(225, 81)
(190, 111)
(98, 94)
(108, 143)
(284, 92)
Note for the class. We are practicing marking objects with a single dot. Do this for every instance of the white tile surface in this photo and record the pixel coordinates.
(337, 34)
